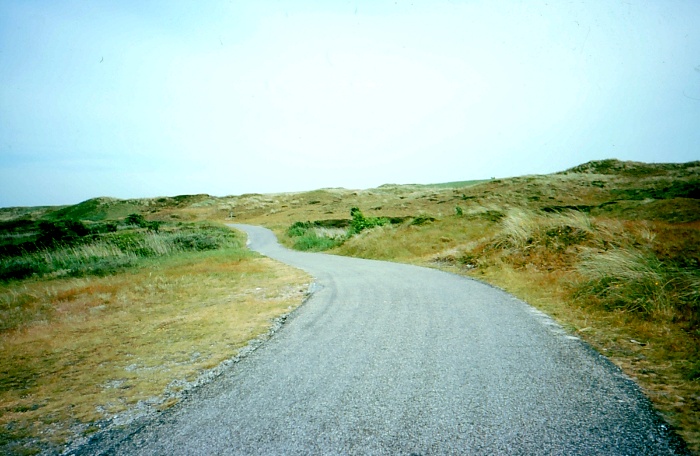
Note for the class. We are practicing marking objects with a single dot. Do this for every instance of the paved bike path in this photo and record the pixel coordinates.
(395, 359)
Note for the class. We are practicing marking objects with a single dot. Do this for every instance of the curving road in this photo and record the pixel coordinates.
(394, 359)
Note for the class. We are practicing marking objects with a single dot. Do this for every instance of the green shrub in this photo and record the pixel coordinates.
(109, 252)
(126, 241)
(153, 226)
(62, 232)
(103, 266)
(298, 229)
(196, 242)
(136, 220)
(314, 236)
(422, 220)
(311, 241)
(360, 223)
(17, 268)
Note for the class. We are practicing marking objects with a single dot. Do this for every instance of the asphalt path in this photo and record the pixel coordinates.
(394, 359)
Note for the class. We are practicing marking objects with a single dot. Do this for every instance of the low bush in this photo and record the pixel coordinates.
(421, 220)
(327, 234)
(111, 252)
(360, 222)
(311, 241)
(309, 236)
(298, 229)
(20, 267)
(61, 232)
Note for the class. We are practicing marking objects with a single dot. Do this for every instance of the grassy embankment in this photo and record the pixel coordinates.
(609, 249)
(105, 318)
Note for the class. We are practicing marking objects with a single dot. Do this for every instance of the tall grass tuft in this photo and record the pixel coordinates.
(523, 229)
(518, 228)
(97, 258)
(637, 281)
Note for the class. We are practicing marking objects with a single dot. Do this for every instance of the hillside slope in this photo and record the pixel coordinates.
(611, 249)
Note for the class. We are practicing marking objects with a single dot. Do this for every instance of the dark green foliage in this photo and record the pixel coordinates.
(360, 223)
(332, 223)
(629, 168)
(126, 241)
(141, 222)
(306, 237)
(99, 266)
(17, 225)
(20, 267)
(298, 229)
(102, 227)
(71, 249)
(422, 220)
(490, 215)
(662, 190)
(564, 208)
(692, 372)
(306, 234)
(311, 236)
(397, 220)
(153, 226)
(27, 236)
(197, 241)
(310, 241)
(136, 220)
(66, 232)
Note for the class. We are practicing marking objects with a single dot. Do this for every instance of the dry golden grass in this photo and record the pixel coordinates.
(563, 243)
(541, 238)
(410, 243)
(101, 345)
(544, 260)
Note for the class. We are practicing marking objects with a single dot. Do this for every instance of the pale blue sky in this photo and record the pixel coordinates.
(160, 98)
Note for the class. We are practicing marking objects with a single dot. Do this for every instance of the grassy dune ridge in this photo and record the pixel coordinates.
(124, 312)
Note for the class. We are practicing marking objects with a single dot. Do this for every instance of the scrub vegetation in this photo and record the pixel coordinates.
(610, 249)
(74, 249)
(103, 320)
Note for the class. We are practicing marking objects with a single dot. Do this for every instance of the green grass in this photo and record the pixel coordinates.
(315, 237)
(110, 252)
(312, 241)
(609, 248)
